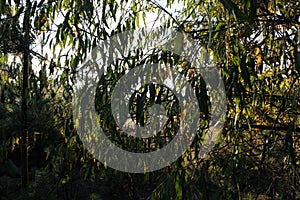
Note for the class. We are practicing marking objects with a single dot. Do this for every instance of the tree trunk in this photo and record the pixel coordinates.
(2, 95)
(26, 63)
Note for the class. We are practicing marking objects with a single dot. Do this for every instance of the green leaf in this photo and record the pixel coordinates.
(137, 20)
(247, 6)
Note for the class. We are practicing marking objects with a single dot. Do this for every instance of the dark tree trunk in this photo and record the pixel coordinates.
(2, 96)
(26, 63)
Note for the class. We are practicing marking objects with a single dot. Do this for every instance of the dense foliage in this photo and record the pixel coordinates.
(254, 44)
